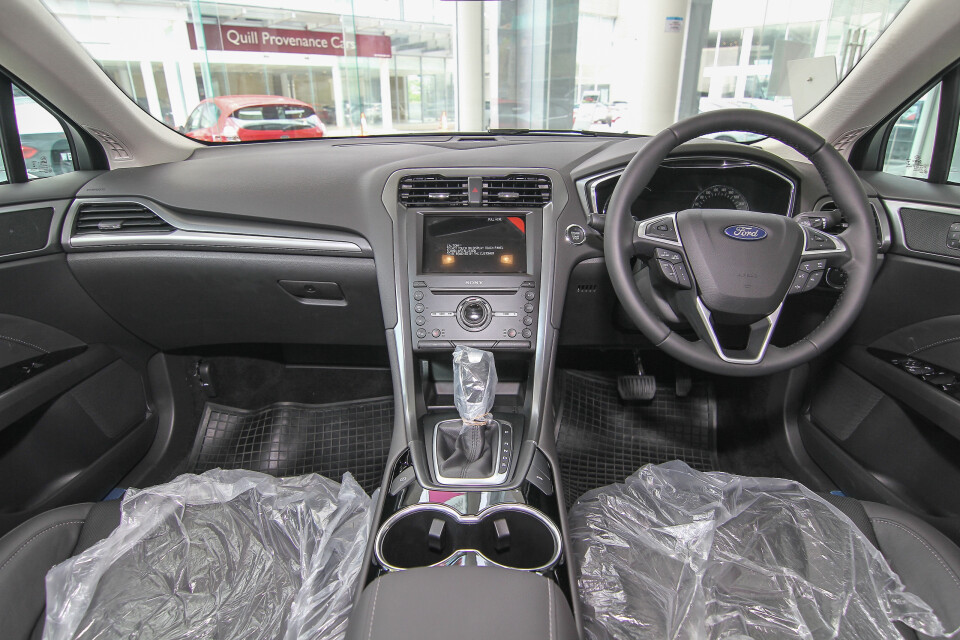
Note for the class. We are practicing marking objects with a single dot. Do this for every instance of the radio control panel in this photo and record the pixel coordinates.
(505, 317)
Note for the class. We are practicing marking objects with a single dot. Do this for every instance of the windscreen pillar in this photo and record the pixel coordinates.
(536, 63)
(649, 39)
(469, 66)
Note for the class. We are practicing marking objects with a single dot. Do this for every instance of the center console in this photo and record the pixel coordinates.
(472, 493)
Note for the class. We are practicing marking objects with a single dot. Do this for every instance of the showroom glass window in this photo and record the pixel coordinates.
(409, 66)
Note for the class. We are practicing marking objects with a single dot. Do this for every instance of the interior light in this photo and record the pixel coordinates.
(446, 259)
(506, 258)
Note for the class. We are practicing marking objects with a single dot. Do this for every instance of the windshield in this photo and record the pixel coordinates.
(276, 69)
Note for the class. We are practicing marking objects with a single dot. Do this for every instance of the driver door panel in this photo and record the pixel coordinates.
(883, 418)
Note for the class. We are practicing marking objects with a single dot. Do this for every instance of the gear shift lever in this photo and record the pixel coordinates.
(468, 448)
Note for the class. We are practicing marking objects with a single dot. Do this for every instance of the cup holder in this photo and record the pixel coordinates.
(514, 536)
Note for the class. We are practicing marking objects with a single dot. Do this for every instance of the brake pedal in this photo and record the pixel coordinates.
(637, 388)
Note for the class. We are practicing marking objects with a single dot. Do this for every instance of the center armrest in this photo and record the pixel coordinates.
(464, 603)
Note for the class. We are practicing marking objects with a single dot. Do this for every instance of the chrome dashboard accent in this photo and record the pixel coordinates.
(587, 186)
(771, 320)
(204, 236)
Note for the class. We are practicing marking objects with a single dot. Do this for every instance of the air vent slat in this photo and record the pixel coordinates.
(517, 190)
(433, 191)
(122, 217)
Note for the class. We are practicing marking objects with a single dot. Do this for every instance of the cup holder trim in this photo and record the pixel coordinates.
(467, 519)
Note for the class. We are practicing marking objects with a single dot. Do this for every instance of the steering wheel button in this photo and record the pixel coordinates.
(682, 278)
(671, 256)
(663, 229)
(813, 280)
(668, 271)
(799, 282)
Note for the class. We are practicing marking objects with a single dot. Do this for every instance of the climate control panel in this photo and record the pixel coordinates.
(501, 318)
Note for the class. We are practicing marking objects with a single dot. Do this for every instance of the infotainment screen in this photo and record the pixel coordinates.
(474, 244)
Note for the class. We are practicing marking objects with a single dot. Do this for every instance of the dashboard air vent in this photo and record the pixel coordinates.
(433, 191)
(118, 217)
(830, 205)
(516, 190)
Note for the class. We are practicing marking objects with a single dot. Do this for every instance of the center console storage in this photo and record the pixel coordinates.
(466, 603)
(513, 536)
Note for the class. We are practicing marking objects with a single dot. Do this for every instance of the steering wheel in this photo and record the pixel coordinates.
(728, 272)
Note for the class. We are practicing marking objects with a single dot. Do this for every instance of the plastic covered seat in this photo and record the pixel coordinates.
(676, 553)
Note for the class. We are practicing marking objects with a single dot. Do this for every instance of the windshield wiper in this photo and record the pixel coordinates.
(551, 132)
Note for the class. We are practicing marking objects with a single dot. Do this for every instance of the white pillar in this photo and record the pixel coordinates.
(492, 94)
(469, 48)
(178, 102)
(188, 78)
(746, 42)
(150, 87)
(338, 94)
(651, 79)
(386, 102)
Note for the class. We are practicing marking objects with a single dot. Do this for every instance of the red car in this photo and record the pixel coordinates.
(239, 118)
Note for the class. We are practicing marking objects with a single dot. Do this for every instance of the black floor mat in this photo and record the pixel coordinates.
(287, 439)
(603, 440)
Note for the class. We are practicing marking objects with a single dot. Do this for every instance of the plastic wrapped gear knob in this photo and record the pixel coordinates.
(676, 553)
(474, 383)
(226, 554)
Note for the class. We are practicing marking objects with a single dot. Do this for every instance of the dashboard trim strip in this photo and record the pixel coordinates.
(210, 237)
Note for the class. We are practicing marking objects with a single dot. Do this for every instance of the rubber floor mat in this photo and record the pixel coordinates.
(287, 439)
(603, 440)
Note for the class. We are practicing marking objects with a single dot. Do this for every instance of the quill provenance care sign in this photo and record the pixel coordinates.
(227, 38)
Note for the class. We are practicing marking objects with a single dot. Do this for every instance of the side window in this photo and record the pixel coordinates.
(43, 142)
(3, 171)
(953, 176)
(920, 141)
(910, 144)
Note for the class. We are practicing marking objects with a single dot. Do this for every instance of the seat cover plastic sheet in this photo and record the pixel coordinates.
(225, 554)
(680, 554)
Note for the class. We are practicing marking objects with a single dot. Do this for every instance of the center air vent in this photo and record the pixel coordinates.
(433, 191)
(516, 191)
(118, 217)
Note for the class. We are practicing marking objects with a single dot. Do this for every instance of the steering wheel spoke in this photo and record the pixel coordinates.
(754, 344)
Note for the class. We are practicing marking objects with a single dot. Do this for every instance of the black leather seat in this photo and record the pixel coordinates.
(33, 548)
(927, 561)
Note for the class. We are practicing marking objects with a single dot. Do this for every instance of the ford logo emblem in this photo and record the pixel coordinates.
(745, 232)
